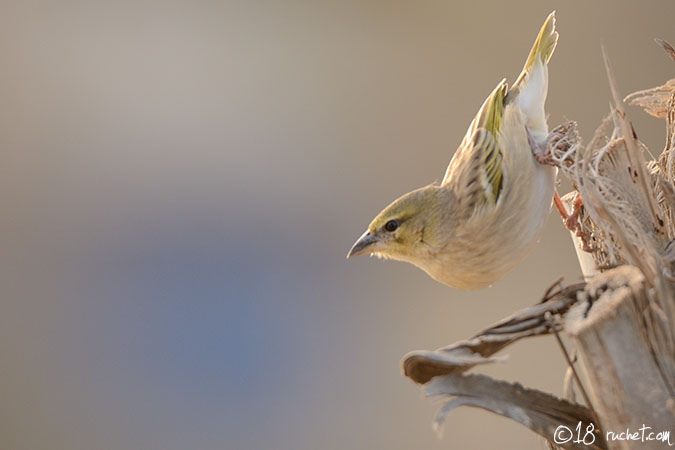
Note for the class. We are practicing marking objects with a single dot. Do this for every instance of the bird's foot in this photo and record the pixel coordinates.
(539, 153)
(559, 146)
(571, 220)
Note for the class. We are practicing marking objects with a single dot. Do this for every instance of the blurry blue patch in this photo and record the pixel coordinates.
(196, 320)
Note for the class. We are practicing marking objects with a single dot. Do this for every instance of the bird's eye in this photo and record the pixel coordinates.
(391, 226)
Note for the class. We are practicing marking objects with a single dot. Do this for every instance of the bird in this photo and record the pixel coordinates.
(477, 224)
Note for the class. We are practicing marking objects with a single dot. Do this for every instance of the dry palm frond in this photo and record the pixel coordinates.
(627, 216)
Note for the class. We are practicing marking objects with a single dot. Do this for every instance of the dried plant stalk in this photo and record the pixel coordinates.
(627, 216)
(626, 384)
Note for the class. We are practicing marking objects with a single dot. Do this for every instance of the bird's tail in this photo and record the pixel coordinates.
(542, 49)
(530, 89)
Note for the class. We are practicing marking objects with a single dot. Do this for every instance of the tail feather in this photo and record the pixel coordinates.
(542, 49)
(530, 89)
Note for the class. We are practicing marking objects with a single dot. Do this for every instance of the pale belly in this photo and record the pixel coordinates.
(493, 243)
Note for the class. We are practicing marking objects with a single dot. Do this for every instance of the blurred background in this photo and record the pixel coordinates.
(180, 184)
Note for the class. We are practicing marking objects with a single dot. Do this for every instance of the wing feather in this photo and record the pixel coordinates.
(476, 170)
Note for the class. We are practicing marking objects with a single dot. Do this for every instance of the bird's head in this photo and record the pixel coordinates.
(410, 228)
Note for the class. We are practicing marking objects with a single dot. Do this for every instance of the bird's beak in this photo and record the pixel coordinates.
(363, 245)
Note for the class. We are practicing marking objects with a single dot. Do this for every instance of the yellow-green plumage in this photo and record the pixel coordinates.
(481, 220)
(543, 47)
(484, 139)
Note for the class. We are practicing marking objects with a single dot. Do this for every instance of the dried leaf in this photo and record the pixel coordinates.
(540, 412)
(655, 100)
(421, 366)
(667, 47)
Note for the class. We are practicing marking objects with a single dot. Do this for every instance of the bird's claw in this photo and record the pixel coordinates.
(557, 147)
(539, 153)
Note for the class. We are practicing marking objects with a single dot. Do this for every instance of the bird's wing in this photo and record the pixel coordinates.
(475, 170)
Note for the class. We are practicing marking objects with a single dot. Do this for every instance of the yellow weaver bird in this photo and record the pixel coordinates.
(490, 208)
